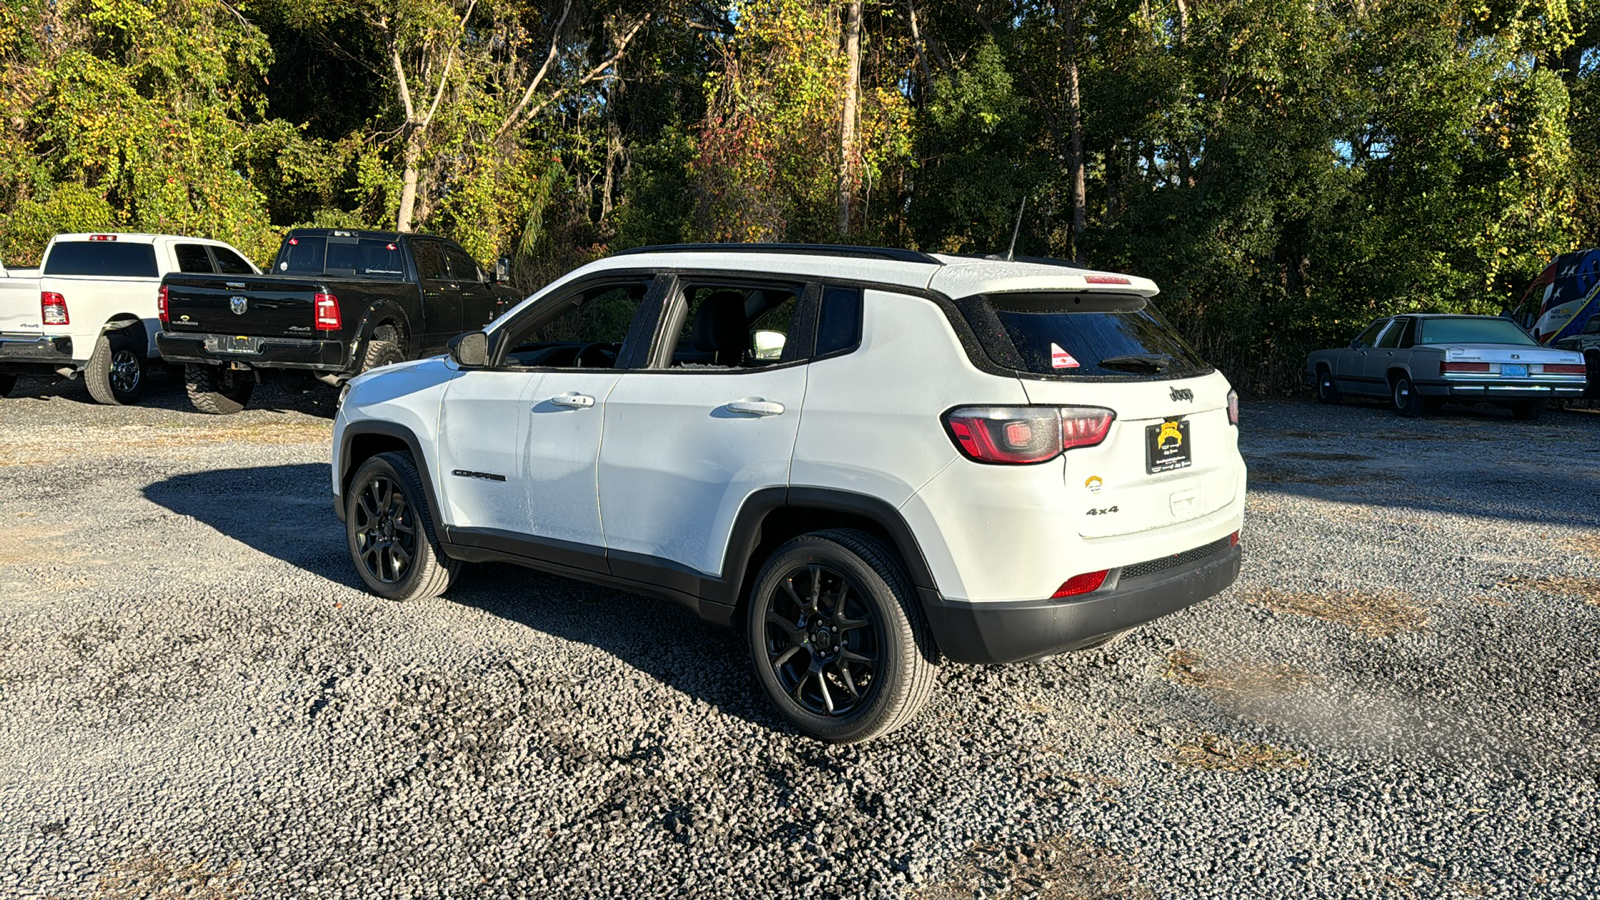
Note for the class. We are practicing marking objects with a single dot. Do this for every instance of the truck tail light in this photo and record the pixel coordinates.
(1080, 584)
(328, 319)
(1565, 369)
(53, 308)
(1021, 435)
(1448, 367)
(161, 306)
(102, 237)
(1233, 407)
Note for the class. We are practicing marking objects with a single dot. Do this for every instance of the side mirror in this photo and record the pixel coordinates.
(769, 345)
(1355, 344)
(469, 350)
(502, 270)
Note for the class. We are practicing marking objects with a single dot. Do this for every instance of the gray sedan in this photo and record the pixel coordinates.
(1420, 361)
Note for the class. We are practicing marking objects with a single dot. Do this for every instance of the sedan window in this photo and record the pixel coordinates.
(1473, 330)
(1390, 338)
(1370, 336)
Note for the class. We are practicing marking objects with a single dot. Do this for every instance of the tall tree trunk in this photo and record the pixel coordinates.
(847, 128)
(409, 177)
(916, 44)
(1075, 125)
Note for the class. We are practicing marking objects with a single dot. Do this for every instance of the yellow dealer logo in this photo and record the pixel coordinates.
(1094, 484)
(1169, 430)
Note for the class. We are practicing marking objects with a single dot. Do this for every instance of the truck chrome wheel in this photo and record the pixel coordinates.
(822, 641)
(385, 530)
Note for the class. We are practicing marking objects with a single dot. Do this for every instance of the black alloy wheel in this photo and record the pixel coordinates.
(385, 530)
(822, 640)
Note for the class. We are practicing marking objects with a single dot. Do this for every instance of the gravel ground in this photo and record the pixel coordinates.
(1398, 698)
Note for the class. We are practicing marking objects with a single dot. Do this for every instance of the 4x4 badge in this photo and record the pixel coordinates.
(1183, 394)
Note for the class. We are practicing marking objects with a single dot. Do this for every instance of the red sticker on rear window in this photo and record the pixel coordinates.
(1061, 359)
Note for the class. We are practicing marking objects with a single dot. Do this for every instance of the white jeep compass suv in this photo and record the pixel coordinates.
(866, 459)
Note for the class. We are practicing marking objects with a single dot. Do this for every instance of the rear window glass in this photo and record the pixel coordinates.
(230, 263)
(1472, 331)
(192, 258)
(1079, 335)
(104, 259)
(364, 257)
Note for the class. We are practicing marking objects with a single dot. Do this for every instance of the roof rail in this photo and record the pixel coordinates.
(890, 253)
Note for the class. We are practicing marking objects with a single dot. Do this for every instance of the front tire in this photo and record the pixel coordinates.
(838, 641)
(216, 390)
(115, 373)
(1327, 393)
(1407, 402)
(390, 531)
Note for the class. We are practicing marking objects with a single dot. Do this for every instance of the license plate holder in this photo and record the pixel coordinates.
(1507, 370)
(235, 344)
(1166, 446)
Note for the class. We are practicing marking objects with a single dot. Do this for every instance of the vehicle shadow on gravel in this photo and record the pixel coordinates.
(282, 511)
(164, 390)
(660, 639)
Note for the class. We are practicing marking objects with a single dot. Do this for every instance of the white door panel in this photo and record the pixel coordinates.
(683, 450)
(563, 437)
(482, 424)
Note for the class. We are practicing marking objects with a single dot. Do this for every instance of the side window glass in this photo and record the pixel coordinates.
(462, 268)
(839, 324)
(192, 258)
(736, 326)
(589, 333)
(430, 261)
(230, 263)
(1370, 336)
(1390, 338)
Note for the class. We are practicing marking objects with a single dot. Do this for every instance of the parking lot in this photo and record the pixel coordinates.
(1400, 697)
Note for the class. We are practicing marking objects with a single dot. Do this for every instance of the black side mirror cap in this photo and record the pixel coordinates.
(502, 270)
(469, 350)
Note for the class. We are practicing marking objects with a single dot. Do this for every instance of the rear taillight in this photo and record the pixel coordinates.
(328, 319)
(161, 306)
(1080, 584)
(53, 308)
(1233, 407)
(1565, 369)
(1448, 367)
(1025, 434)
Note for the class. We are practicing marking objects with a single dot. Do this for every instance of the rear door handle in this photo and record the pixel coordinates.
(573, 400)
(755, 406)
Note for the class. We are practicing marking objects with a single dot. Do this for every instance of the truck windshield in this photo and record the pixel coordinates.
(102, 259)
(318, 255)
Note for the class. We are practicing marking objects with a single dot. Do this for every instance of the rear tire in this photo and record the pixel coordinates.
(1527, 410)
(7, 382)
(115, 373)
(1407, 402)
(838, 639)
(1327, 392)
(390, 531)
(1591, 361)
(215, 390)
(383, 349)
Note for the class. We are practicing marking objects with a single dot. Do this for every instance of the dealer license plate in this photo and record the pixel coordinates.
(1510, 371)
(1166, 446)
(238, 344)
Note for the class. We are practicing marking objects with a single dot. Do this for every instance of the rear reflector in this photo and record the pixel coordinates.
(1020, 435)
(1565, 369)
(1233, 539)
(328, 318)
(1233, 407)
(161, 306)
(1446, 367)
(53, 308)
(1080, 584)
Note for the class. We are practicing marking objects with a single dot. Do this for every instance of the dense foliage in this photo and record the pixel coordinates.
(1285, 170)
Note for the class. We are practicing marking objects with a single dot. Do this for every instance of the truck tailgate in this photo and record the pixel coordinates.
(19, 306)
(254, 305)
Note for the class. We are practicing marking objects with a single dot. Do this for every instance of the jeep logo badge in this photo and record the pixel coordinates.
(1183, 394)
(238, 304)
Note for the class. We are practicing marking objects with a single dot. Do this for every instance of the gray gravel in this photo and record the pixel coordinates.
(196, 699)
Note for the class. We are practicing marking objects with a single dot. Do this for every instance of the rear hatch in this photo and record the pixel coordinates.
(1171, 455)
(244, 305)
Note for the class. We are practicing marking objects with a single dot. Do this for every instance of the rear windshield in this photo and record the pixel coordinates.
(103, 259)
(318, 255)
(1472, 331)
(1079, 335)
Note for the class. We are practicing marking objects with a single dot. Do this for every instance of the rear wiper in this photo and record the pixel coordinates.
(1138, 362)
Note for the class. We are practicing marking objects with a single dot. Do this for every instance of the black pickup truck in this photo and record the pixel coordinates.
(334, 304)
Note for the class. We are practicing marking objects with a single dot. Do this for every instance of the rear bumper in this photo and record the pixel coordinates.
(273, 353)
(1498, 390)
(34, 355)
(989, 632)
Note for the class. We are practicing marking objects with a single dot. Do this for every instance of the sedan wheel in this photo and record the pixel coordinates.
(1407, 402)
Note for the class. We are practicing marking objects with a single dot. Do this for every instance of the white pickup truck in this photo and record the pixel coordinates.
(91, 307)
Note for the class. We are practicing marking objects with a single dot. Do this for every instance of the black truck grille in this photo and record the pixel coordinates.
(1152, 566)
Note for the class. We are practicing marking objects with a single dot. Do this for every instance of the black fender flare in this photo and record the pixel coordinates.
(381, 311)
(388, 430)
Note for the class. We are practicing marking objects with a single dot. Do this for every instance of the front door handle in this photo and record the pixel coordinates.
(573, 400)
(755, 406)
